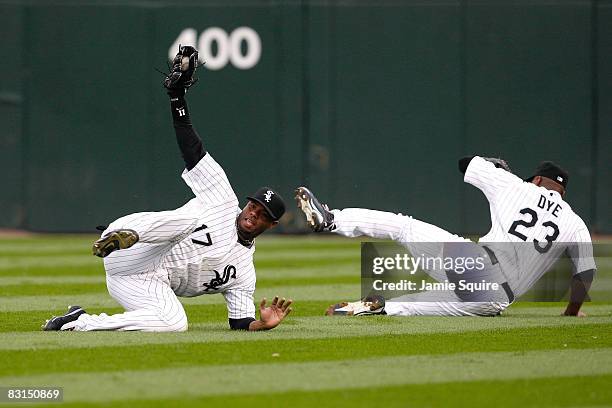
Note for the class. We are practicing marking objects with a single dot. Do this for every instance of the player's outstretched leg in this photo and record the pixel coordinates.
(410, 306)
(350, 222)
(457, 308)
(118, 239)
(356, 222)
(318, 215)
(150, 305)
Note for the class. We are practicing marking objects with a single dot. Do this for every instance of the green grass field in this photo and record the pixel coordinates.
(530, 356)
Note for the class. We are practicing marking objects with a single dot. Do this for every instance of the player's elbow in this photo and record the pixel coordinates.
(585, 276)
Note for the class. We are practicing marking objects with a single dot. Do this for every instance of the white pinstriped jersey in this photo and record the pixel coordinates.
(211, 260)
(531, 227)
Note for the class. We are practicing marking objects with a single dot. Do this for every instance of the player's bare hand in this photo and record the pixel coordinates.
(274, 314)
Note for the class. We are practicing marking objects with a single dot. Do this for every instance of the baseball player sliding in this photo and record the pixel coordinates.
(531, 227)
(203, 247)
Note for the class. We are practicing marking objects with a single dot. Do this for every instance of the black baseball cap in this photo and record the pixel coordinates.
(552, 171)
(271, 201)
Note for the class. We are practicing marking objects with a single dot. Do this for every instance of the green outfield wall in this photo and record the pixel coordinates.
(370, 103)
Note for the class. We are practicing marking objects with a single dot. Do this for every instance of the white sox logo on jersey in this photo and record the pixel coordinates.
(268, 196)
(228, 272)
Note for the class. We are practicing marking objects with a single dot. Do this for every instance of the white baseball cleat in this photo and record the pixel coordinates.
(371, 305)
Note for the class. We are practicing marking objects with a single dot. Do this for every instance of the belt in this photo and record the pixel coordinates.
(495, 261)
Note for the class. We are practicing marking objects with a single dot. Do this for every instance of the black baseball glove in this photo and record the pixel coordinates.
(183, 68)
(464, 162)
(499, 163)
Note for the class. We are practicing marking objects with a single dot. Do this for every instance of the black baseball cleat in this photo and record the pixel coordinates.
(56, 322)
(318, 215)
(370, 305)
(114, 240)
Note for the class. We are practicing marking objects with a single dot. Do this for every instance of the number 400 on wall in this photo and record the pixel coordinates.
(229, 47)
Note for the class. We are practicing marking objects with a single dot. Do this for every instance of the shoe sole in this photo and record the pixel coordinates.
(121, 239)
(352, 312)
(305, 203)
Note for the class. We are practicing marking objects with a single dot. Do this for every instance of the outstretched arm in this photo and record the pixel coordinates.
(202, 173)
(190, 143)
(177, 82)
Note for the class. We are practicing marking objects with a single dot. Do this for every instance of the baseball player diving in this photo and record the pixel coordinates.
(531, 227)
(206, 246)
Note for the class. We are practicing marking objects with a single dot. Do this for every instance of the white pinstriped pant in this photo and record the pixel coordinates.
(135, 279)
(420, 238)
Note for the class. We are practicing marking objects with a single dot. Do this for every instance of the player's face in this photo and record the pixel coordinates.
(254, 219)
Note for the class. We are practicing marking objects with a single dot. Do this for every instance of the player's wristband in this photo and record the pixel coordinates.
(240, 324)
(180, 112)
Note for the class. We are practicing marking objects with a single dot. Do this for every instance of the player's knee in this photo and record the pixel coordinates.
(181, 325)
(176, 322)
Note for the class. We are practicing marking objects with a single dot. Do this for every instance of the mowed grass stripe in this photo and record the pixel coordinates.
(63, 264)
(296, 328)
(17, 321)
(265, 277)
(531, 392)
(81, 288)
(47, 244)
(74, 242)
(265, 248)
(67, 289)
(47, 260)
(24, 263)
(276, 273)
(47, 289)
(385, 371)
(274, 268)
(79, 265)
(51, 280)
(137, 357)
(56, 303)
